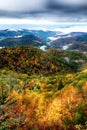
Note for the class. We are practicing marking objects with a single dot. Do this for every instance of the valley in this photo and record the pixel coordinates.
(44, 39)
(43, 83)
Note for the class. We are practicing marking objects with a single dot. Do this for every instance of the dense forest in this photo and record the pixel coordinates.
(42, 90)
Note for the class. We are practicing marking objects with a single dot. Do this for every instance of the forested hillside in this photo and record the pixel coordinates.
(42, 90)
(32, 60)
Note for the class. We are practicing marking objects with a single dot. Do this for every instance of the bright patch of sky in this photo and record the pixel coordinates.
(59, 27)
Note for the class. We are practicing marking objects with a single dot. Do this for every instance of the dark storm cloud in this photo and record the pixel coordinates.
(59, 10)
(69, 6)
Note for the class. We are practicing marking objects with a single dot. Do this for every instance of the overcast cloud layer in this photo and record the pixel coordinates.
(43, 10)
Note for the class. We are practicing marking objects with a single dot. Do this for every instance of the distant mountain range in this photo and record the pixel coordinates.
(73, 41)
(44, 39)
(44, 35)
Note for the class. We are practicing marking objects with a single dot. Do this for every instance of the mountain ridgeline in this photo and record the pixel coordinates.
(44, 39)
(77, 42)
(22, 41)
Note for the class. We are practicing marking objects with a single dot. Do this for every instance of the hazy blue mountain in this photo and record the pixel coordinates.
(43, 39)
(45, 35)
(22, 41)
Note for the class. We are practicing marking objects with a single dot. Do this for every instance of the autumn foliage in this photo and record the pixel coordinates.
(41, 91)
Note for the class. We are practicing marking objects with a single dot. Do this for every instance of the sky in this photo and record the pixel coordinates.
(44, 13)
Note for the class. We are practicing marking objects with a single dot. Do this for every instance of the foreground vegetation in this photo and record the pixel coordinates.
(42, 90)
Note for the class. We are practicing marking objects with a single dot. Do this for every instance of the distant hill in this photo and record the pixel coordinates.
(22, 41)
(78, 47)
(70, 41)
(8, 33)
